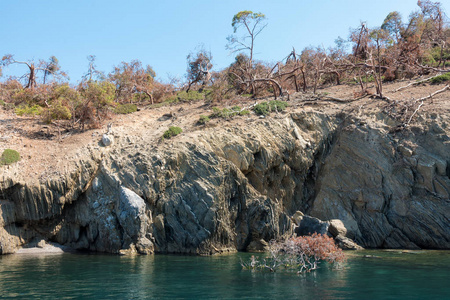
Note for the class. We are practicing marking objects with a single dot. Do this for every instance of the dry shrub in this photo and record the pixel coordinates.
(301, 254)
(87, 114)
(8, 89)
(389, 75)
(162, 91)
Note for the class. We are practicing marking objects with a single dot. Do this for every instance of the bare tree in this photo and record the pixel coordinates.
(49, 68)
(93, 73)
(379, 38)
(252, 24)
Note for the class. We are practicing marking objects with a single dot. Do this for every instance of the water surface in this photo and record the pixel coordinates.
(389, 275)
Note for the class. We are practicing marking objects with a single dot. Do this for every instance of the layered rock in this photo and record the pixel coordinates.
(237, 188)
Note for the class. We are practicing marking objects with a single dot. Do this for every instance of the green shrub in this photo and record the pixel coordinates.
(172, 131)
(29, 110)
(101, 94)
(440, 78)
(56, 112)
(125, 108)
(191, 96)
(216, 112)
(264, 108)
(277, 105)
(261, 108)
(433, 56)
(9, 156)
(225, 113)
(203, 120)
(2, 103)
(244, 112)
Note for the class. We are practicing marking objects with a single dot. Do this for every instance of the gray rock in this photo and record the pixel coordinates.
(347, 244)
(107, 140)
(310, 225)
(226, 189)
(132, 213)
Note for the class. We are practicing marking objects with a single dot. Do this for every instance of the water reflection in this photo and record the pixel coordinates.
(392, 275)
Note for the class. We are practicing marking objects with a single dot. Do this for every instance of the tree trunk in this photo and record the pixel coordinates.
(150, 95)
(31, 77)
(295, 82)
(304, 80)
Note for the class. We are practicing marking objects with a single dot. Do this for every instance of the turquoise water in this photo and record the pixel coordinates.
(391, 275)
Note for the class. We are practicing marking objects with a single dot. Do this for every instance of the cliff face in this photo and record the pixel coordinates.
(230, 188)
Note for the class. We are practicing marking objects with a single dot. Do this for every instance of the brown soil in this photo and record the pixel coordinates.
(46, 151)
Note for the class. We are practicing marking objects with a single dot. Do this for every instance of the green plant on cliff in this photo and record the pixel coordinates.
(440, 78)
(9, 156)
(190, 96)
(203, 120)
(264, 108)
(227, 113)
(172, 131)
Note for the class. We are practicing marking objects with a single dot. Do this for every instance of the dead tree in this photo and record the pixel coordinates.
(50, 67)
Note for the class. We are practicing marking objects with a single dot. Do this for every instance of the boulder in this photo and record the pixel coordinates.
(310, 225)
(347, 244)
(297, 217)
(107, 140)
(337, 228)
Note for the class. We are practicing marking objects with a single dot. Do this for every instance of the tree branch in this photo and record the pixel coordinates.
(447, 87)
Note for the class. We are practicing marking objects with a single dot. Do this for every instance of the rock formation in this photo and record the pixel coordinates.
(236, 188)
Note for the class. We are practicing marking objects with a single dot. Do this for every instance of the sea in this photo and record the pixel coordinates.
(394, 274)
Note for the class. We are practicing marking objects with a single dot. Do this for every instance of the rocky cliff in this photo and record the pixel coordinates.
(236, 187)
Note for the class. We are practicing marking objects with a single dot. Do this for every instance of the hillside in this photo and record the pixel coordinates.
(382, 171)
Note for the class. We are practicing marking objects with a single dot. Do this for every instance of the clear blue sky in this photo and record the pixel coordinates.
(162, 33)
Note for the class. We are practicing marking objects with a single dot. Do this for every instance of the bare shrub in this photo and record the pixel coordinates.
(301, 254)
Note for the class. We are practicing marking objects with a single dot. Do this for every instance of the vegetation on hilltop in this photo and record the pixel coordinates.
(396, 49)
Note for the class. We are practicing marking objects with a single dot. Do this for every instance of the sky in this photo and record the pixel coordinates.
(162, 33)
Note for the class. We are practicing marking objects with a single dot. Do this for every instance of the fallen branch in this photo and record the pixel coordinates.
(435, 93)
(414, 83)
(250, 106)
(410, 118)
(433, 69)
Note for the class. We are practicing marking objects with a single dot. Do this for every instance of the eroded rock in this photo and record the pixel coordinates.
(224, 190)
